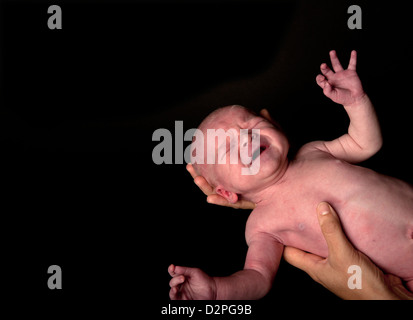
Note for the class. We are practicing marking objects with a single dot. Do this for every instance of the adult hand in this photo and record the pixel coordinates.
(214, 198)
(332, 272)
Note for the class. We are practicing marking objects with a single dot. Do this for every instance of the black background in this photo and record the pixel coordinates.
(79, 106)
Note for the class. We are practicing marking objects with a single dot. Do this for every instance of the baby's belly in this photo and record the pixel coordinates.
(377, 219)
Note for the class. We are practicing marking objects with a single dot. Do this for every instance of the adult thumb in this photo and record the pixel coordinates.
(337, 242)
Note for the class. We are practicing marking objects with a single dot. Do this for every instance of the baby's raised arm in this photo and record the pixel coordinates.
(363, 138)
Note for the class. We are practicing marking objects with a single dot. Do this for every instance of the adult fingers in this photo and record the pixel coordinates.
(337, 242)
(218, 200)
(265, 114)
(221, 201)
(206, 188)
(191, 170)
(307, 262)
(243, 204)
(200, 181)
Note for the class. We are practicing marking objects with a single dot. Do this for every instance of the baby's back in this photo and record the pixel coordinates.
(376, 211)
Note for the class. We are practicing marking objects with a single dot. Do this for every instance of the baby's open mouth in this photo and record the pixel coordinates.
(259, 151)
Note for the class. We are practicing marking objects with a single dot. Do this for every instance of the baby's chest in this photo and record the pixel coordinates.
(299, 227)
(293, 217)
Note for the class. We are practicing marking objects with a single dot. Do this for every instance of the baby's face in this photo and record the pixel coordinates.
(272, 149)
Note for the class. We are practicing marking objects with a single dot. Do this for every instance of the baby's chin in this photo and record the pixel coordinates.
(271, 163)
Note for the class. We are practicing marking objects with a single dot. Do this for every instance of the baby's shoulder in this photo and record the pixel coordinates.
(314, 149)
(263, 220)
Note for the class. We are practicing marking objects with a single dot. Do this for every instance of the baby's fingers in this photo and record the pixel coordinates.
(171, 270)
(335, 62)
(328, 90)
(177, 270)
(326, 71)
(353, 60)
(176, 281)
(174, 293)
(320, 79)
(325, 85)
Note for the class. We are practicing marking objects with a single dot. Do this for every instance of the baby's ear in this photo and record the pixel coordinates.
(231, 197)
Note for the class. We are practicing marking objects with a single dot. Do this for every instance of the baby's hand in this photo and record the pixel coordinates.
(341, 86)
(190, 284)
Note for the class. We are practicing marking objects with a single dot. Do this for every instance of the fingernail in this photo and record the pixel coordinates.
(324, 208)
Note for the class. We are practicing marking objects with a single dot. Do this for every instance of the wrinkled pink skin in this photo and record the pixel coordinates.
(376, 211)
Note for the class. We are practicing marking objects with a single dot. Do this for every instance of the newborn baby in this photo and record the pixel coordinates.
(376, 211)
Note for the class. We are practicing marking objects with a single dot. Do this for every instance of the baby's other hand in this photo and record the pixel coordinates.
(214, 198)
(190, 284)
(341, 86)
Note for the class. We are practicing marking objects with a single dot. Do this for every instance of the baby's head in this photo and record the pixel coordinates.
(221, 162)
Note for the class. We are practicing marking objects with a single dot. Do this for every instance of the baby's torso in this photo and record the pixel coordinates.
(376, 212)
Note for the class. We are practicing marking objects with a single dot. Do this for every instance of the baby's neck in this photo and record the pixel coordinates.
(264, 194)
